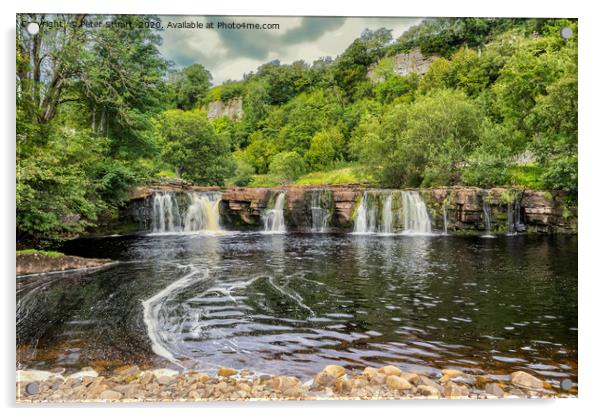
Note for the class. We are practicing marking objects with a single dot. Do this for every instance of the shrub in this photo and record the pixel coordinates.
(287, 166)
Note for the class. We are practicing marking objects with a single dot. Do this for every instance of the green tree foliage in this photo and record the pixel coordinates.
(190, 86)
(84, 100)
(98, 113)
(287, 166)
(351, 67)
(423, 143)
(326, 147)
(190, 144)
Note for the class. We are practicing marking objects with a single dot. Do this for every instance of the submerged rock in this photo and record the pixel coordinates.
(226, 372)
(494, 389)
(526, 380)
(27, 376)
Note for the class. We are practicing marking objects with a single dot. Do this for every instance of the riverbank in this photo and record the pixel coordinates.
(38, 262)
(130, 384)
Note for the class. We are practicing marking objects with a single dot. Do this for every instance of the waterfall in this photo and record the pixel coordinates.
(273, 219)
(416, 219)
(365, 217)
(487, 217)
(203, 212)
(378, 211)
(513, 212)
(387, 215)
(320, 215)
(166, 214)
(444, 209)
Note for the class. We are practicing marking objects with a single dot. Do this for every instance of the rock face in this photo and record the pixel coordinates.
(461, 209)
(231, 108)
(407, 63)
(244, 206)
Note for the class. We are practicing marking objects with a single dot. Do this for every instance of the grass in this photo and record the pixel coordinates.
(263, 180)
(51, 254)
(528, 176)
(341, 176)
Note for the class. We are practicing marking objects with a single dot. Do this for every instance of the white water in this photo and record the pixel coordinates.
(444, 219)
(166, 214)
(487, 217)
(152, 309)
(273, 219)
(365, 218)
(387, 215)
(415, 216)
(319, 214)
(416, 219)
(201, 214)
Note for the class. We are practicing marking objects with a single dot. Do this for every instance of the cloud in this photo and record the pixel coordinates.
(230, 53)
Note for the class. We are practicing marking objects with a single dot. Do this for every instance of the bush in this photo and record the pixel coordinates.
(562, 175)
(326, 148)
(287, 166)
(243, 174)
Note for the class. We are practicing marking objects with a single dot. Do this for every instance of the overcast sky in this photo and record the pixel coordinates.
(229, 53)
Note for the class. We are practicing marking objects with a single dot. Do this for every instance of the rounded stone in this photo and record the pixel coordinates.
(32, 388)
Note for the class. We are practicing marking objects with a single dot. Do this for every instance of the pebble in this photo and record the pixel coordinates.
(390, 370)
(398, 383)
(226, 372)
(110, 395)
(334, 370)
(494, 389)
(389, 382)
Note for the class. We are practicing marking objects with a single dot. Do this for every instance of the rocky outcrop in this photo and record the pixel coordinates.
(465, 209)
(510, 209)
(407, 63)
(36, 263)
(244, 206)
(231, 108)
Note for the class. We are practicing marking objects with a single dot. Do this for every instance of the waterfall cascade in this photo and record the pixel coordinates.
(487, 218)
(201, 213)
(444, 209)
(380, 211)
(320, 209)
(166, 213)
(514, 221)
(415, 216)
(273, 219)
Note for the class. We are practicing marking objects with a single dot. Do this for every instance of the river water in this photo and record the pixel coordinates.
(293, 303)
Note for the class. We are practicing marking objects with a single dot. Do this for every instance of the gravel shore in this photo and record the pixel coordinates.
(130, 384)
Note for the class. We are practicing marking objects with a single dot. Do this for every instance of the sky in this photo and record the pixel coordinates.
(230, 53)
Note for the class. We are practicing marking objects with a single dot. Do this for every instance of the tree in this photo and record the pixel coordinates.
(287, 166)
(326, 147)
(191, 86)
(192, 147)
(423, 143)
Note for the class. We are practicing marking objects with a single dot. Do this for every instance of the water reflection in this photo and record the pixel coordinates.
(293, 303)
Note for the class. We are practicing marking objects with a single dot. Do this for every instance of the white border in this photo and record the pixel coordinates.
(590, 371)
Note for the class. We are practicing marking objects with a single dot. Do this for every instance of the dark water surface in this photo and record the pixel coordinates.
(290, 304)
